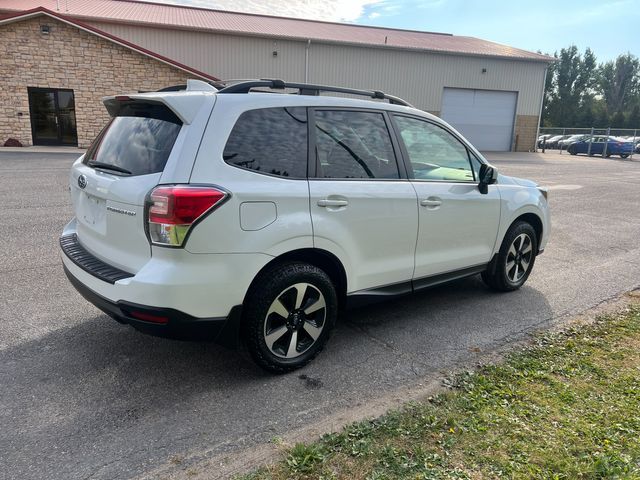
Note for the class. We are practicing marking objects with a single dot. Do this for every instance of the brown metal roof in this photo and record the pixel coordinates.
(19, 15)
(174, 16)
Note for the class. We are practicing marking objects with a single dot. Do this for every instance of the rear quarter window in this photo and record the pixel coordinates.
(138, 141)
(271, 141)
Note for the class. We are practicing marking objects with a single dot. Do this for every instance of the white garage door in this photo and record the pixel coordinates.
(484, 117)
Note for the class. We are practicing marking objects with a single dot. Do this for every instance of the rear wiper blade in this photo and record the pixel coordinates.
(108, 166)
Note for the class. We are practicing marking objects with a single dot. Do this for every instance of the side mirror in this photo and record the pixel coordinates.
(488, 176)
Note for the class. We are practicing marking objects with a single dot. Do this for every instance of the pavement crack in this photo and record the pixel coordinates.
(97, 470)
(371, 336)
(411, 361)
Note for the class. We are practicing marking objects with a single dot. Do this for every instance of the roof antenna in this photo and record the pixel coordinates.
(385, 39)
(67, 6)
(58, 5)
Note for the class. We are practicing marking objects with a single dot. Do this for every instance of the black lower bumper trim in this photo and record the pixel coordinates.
(179, 325)
(90, 264)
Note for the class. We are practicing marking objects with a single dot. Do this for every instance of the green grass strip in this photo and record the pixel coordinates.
(567, 407)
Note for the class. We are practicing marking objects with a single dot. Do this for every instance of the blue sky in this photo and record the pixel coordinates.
(609, 27)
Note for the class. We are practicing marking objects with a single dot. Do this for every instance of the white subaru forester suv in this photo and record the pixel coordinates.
(253, 218)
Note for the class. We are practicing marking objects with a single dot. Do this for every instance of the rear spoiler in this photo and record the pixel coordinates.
(185, 104)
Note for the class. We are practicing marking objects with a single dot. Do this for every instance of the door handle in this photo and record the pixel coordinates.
(431, 202)
(326, 202)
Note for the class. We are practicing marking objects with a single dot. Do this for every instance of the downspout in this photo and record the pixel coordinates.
(306, 62)
(544, 84)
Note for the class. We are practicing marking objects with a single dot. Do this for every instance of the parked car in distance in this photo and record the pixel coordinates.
(544, 137)
(564, 143)
(235, 215)
(615, 146)
(636, 143)
(552, 142)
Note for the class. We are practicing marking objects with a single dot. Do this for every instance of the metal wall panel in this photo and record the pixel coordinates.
(224, 56)
(418, 77)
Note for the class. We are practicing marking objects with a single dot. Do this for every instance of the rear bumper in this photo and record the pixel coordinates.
(199, 285)
(166, 322)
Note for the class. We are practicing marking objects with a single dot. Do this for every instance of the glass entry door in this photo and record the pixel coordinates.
(53, 116)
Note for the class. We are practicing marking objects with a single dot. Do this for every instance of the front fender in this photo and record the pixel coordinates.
(518, 201)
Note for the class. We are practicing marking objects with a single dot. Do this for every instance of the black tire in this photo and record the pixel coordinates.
(572, 151)
(278, 287)
(624, 155)
(499, 276)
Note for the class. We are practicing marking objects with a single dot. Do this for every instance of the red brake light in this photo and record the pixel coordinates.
(182, 205)
(173, 209)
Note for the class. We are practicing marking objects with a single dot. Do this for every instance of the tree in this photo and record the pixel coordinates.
(569, 83)
(619, 82)
(633, 120)
(618, 121)
(587, 117)
(602, 119)
(548, 91)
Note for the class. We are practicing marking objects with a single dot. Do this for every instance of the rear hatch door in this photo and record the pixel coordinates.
(110, 182)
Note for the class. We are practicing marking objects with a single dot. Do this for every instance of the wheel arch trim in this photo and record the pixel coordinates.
(533, 217)
(323, 259)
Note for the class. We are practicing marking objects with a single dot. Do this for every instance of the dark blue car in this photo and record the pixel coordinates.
(615, 146)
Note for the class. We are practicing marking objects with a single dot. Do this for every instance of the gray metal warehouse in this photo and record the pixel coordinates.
(492, 93)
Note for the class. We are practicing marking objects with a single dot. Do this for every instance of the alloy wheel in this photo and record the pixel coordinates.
(295, 320)
(519, 258)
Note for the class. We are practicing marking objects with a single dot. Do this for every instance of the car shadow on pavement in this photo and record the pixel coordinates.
(100, 354)
(78, 388)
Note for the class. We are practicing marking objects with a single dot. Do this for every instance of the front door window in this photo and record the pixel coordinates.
(53, 116)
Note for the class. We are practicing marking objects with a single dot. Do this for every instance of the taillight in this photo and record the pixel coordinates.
(173, 210)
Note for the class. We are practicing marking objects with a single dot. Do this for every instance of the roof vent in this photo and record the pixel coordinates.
(200, 86)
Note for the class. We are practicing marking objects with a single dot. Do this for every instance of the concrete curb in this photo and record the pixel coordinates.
(42, 149)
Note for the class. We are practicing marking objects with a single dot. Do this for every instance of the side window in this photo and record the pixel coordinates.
(434, 153)
(270, 140)
(353, 145)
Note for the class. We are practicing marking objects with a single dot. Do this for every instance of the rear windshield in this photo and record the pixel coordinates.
(137, 141)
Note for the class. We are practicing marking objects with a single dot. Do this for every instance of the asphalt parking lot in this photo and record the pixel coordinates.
(84, 397)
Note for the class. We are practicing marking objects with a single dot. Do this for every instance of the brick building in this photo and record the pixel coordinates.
(55, 71)
(60, 57)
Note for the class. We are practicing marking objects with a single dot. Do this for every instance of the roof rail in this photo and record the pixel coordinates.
(309, 89)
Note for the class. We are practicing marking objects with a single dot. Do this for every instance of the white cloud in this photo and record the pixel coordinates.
(329, 10)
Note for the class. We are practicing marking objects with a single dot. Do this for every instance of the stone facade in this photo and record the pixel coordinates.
(70, 58)
(525, 133)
